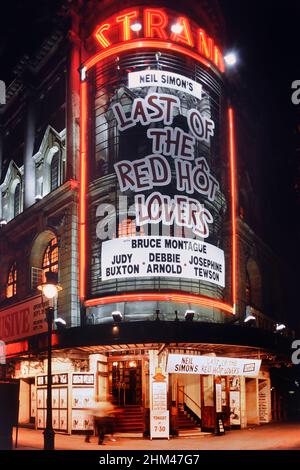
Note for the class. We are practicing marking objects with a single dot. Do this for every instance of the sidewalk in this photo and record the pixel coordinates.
(281, 436)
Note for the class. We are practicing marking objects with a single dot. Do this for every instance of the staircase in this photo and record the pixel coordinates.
(129, 419)
(186, 422)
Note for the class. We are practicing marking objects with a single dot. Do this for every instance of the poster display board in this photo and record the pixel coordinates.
(159, 424)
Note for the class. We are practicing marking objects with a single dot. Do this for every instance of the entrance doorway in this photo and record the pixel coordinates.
(126, 382)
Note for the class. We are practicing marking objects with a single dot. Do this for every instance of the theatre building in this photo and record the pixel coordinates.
(120, 172)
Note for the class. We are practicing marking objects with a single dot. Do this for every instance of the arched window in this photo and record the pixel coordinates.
(17, 201)
(50, 259)
(11, 286)
(54, 172)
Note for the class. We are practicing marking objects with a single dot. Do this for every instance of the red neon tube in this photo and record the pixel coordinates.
(162, 297)
(82, 189)
(232, 158)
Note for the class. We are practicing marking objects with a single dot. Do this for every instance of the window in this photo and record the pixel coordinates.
(50, 259)
(11, 287)
(17, 200)
(54, 172)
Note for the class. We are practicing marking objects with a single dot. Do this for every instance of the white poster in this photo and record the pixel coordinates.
(235, 411)
(218, 398)
(159, 396)
(81, 420)
(161, 78)
(159, 424)
(263, 396)
(162, 256)
(212, 365)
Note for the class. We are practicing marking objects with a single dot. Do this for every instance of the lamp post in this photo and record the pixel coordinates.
(50, 290)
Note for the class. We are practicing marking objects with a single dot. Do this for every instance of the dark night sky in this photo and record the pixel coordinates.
(266, 35)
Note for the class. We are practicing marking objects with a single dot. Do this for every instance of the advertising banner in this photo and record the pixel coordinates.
(162, 256)
(212, 365)
(23, 320)
(160, 195)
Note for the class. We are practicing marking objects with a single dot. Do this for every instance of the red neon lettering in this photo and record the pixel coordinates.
(218, 59)
(99, 35)
(186, 35)
(125, 19)
(155, 23)
(205, 44)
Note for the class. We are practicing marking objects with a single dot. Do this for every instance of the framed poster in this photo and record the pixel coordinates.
(82, 397)
(159, 396)
(235, 411)
(40, 418)
(63, 420)
(218, 388)
(55, 419)
(55, 398)
(32, 401)
(63, 398)
(81, 420)
(234, 383)
(263, 401)
(40, 398)
(83, 379)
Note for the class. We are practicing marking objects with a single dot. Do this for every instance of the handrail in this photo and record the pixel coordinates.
(183, 392)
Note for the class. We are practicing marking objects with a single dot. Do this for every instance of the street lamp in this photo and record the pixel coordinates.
(50, 290)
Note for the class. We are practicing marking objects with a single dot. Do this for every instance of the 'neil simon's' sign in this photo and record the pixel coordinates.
(161, 78)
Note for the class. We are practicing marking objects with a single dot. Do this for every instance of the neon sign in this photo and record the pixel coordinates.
(155, 23)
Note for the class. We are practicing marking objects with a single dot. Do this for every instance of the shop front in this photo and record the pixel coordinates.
(191, 389)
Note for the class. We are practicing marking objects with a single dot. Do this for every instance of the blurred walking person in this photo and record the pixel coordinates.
(103, 414)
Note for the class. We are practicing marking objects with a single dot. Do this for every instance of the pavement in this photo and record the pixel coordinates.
(281, 436)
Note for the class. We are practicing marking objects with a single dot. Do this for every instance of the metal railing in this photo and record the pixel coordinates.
(180, 389)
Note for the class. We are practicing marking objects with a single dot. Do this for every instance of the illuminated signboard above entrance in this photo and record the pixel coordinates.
(156, 23)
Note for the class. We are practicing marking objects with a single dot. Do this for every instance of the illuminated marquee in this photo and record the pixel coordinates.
(154, 23)
(152, 28)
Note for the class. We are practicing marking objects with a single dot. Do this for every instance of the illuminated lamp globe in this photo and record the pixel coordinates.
(176, 28)
(230, 59)
(51, 287)
(280, 327)
(136, 27)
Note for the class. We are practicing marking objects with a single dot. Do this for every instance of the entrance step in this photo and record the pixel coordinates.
(193, 433)
(186, 422)
(129, 420)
